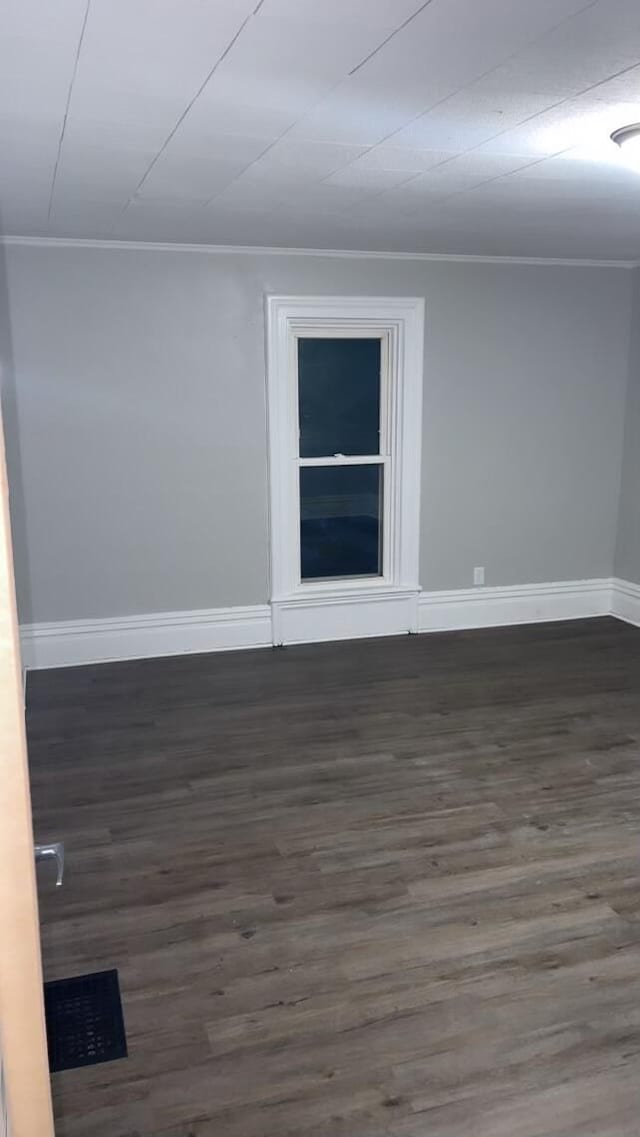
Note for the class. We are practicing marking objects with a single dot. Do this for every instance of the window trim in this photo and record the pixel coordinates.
(401, 319)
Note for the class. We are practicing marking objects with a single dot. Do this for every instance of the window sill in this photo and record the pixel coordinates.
(345, 590)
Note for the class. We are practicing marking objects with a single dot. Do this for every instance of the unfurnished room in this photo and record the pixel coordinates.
(320, 568)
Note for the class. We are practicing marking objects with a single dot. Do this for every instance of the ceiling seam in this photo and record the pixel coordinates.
(483, 75)
(335, 86)
(514, 126)
(410, 177)
(544, 157)
(391, 35)
(66, 109)
(454, 193)
(192, 102)
(451, 95)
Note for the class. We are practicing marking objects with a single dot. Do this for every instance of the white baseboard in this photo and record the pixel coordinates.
(69, 643)
(625, 601)
(72, 642)
(518, 604)
(349, 616)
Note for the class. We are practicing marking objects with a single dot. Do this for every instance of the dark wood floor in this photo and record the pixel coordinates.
(378, 888)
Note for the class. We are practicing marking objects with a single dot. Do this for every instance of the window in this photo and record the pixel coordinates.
(345, 392)
(342, 455)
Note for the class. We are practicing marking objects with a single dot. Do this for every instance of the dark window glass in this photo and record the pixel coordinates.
(339, 396)
(341, 521)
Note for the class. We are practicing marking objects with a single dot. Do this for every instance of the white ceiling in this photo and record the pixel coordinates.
(452, 126)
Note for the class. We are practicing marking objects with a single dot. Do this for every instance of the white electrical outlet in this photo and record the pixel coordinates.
(478, 575)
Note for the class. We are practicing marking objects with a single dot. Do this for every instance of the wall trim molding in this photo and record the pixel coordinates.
(277, 250)
(515, 604)
(345, 616)
(625, 601)
(71, 643)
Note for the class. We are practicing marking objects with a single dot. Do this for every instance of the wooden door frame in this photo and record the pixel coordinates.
(23, 1040)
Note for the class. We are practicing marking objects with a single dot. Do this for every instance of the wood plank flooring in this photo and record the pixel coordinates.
(387, 888)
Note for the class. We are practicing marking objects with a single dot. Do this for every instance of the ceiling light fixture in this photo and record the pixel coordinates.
(628, 139)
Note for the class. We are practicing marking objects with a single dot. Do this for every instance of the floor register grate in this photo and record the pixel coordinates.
(84, 1017)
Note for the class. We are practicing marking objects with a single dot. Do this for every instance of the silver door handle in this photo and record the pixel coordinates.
(52, 852)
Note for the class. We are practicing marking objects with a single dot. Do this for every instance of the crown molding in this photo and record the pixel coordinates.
(275, 250)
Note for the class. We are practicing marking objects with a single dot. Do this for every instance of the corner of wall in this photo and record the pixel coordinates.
(626, 562)
(9, 423)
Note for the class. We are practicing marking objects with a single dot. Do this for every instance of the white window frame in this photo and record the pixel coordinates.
(399, 322)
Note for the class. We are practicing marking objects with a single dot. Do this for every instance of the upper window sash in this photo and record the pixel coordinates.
(382, 431)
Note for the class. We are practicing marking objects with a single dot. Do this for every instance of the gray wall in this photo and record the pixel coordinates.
(627, 558)
(142, 438)
(8, 396)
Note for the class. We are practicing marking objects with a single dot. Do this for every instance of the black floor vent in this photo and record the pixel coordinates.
(84, 1020)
